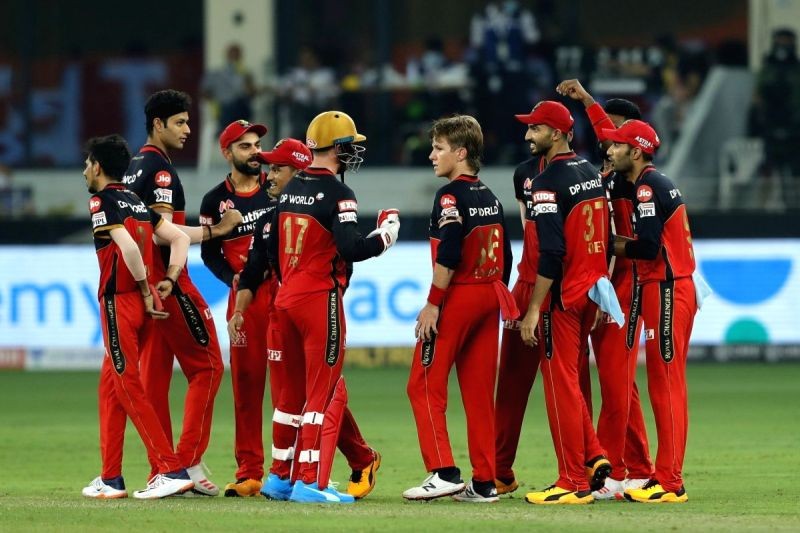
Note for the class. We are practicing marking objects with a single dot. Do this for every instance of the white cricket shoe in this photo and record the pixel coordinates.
(202, 485)
(611, 490)
(161, 486)
(434, 487)
(472, 495)
(100, 490)
(633, 483)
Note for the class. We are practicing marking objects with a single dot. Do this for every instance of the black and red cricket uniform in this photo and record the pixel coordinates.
(122, 315)
(468, 235)
(664, 259)
(518, 361)
(572, 223)
(314, 237)
(258, 277)
(225, 257)
(620, 426)
(189, 333)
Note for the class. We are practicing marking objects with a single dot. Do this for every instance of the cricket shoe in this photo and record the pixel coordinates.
(435, 487)
(311, 493)
(481, 493)
(275, 488)
(653, 492)
(505, 488)
(611, 490)
(163, 485)
(202, 485)
(243, 488)
(597, 470)
(634, 483)
(363, 481)
(109, 489)
(554, 495)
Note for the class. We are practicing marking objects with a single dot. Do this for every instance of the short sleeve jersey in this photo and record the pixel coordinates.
(153, 178)
(233, 247)
(660, 218)
(524, 176)
(117, 207)
(467, 232)
(315, 216)
(572, 223)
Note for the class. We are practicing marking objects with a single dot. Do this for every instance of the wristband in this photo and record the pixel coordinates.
(209, 231)
(237, 312)
(167, 278)
(436, 295)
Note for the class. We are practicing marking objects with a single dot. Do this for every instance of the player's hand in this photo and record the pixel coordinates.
(426, 322)
(575, 90)
(388, 227)
(235, 324)
(599, 318)
(528, 327)
(150, 307)
(165, 287)
(230, 219)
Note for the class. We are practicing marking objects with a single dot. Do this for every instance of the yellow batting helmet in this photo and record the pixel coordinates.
(330, 128)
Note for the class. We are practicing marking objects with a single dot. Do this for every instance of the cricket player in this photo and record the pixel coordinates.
(459, 323)
(123, 230)
(572, 224)
(314, 239)
(664, 257)
(188, 333)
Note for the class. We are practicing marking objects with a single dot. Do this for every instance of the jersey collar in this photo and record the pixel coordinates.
(156, 149)
(466, 177)
(562, 156)
(645, 171)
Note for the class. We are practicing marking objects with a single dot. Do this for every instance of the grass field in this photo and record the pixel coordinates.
(741, 470)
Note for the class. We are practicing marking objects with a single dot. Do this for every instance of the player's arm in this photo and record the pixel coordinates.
(257, 267)
(648, 228)
(351, 245)
(244, 297)
(211, 250)
(135, 264)
(448, 256)
(178, 253)
(594, 111)
(552, 249)
(197, 234)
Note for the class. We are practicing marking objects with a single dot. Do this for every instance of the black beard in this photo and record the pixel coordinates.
(91, 189)
(245, 168)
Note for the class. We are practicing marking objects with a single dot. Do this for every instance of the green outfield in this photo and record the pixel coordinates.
(742, 466)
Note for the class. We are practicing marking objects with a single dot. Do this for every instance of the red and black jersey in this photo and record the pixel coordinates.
(314, 236)
(468, 233)
(620, 193)
(153, 178)
(524, 176)
(662, 248)
(117, 207)
(573, 226)
(258, 266)
(225, 256)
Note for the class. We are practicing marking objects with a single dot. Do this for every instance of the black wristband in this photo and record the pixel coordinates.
(167, 278)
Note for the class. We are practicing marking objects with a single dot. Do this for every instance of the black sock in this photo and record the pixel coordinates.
(449, 473)
(506, 480)
(484, 488)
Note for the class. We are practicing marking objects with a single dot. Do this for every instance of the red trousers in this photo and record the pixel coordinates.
(518, 365)
(620, 426)
(564, 338)
(468, 330)
(312, 336)
(668, 309)
(188, 334)
(248, 376)
(121, 393)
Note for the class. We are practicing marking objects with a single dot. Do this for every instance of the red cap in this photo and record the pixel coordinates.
(635, 133)
(236, 129)
(550, 113)
(289, 152)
